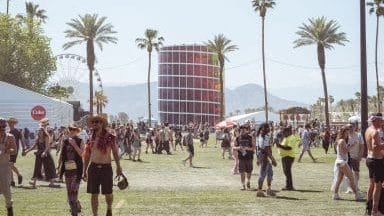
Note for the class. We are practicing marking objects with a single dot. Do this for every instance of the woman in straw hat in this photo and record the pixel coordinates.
(71, 166)
(43, 156)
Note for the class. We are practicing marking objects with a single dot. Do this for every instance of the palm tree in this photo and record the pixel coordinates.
(331, 100)
(324, 34)
(378, 9)
(33, 13)
(90, 29)
(358, 98)
(7, 7)
(101, 101)
(150, 41)
(221, 46)
(261, 6)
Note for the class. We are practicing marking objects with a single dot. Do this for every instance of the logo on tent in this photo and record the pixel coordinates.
(38, 113)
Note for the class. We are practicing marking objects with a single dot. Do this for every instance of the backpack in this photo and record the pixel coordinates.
(226, 141)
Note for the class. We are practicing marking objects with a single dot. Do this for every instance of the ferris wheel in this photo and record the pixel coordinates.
(71, 72)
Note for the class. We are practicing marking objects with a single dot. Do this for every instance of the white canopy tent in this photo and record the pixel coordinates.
(257, 117)
(18, 102)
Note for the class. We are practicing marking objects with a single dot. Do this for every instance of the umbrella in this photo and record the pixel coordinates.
(225, 124)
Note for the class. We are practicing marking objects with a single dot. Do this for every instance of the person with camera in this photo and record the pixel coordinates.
(72, 166)
(97, 163)
(7, 148)
(265, 160)
(245, 145)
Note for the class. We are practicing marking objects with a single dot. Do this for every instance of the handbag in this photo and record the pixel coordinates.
(70, 165)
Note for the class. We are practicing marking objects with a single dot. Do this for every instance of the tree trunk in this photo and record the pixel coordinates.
(264, 76)
(7, 7)
(376, 66)
(222, 107)
(149, 89)
(321, 59)
(91, 65)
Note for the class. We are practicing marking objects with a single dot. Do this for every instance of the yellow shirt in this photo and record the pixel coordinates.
(291, 141)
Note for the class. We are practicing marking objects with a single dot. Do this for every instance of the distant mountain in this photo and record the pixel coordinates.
(132, 99)
(252, 96)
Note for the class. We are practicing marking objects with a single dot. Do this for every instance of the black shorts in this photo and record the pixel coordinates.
(12, 158)
(100, 175)
(354, 164)
(191, 150)
(376, 169)
(246, 165)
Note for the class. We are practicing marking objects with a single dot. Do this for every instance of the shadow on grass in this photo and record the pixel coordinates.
(47, 186)
(288, 198)
(200, 167)
(26, 187)
(307, 191)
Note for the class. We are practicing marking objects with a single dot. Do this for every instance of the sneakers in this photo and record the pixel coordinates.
(260, 193)
(270, 192)
(336, 196)
(243, 188)
(13, 184)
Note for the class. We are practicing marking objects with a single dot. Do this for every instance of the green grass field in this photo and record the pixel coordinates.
(161, 185)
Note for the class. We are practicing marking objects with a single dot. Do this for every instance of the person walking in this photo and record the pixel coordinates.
(97, 163)
(43, 156)
(306, 141)
(7, 148)
(342, 168)
(226, 144)
(188, 143)
(245, 145)
(287, 150)
(265, 160)
(19, 138)
(375, 163)
(72, 166)
(136, 144)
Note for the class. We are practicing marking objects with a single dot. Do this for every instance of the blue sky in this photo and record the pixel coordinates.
(181, 21)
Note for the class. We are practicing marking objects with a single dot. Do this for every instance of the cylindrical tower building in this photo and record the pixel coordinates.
(188, 85)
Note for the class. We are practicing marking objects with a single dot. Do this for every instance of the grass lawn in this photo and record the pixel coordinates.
(161, 185)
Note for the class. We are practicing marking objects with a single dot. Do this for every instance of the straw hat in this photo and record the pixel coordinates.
(74, 127)
(12, 120)
(44, 122)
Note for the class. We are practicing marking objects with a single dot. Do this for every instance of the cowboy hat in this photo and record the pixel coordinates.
(74, 127)
(12, 120)
(44, 122)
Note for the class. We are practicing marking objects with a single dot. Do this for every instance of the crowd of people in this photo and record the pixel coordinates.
(87, 153)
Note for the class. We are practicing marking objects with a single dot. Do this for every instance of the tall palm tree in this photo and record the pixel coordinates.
(101, 101)
(33, 13)
(221, 46)
(358, 98)
(261, 6)
(377, 8)
(150, 41)
(7, 7)
(331, 100)
(90, 29)
(324, 34)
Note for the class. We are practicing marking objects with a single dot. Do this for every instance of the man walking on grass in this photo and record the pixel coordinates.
(97, 163)
(374, 163)
(306, 141)
(188, 142)
(7, 149)
(19, 138)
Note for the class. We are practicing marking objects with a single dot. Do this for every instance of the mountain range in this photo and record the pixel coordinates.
(132, 99)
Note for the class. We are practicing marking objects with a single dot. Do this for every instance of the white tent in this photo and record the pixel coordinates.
(257, 117)
(18, 102)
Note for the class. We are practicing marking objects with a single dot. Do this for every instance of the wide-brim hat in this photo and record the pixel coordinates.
(12, 120)
(44, 122)
(98, 118)
(74, 127)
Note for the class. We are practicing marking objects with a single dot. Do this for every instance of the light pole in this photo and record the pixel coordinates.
(363, 73)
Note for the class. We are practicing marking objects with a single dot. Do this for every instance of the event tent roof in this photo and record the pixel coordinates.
(258, 117)
(18, 102)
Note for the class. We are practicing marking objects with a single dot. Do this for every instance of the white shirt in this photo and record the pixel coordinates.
(355, 139)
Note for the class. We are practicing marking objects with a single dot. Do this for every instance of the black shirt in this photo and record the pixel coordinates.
(245, 141)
